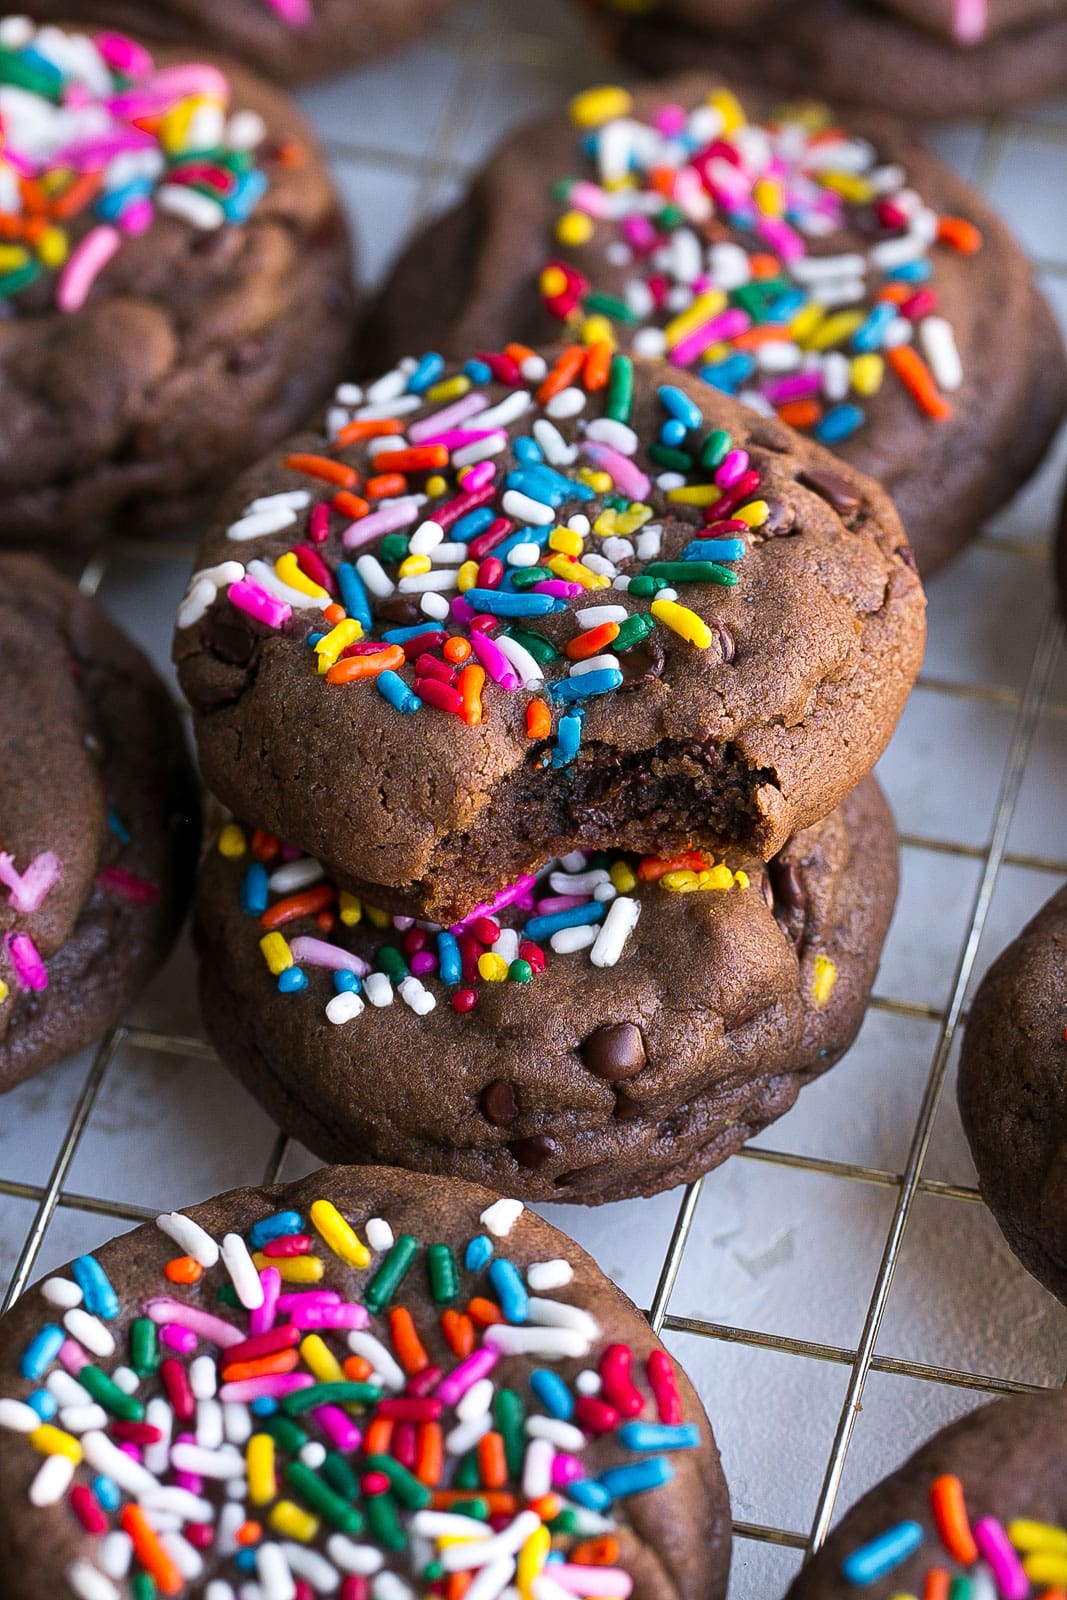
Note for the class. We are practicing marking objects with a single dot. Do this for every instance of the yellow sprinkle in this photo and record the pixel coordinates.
(259, 1461)
(600, 104)
(574, 228)
(716, 352)
(697, 494)
(849, 185)
(232, 843)
(719, 877)
(866, 373)
(741, 879)
(12, 256)
(629, 521)
(412, 566)
(491, 967)
(684, 881)
(566, 541)
(598, 330)
(276, 952)
(294, 1522)
(339, 638)
(825, 978)
(683, 622)
(729, 108)
(755, 513)
(768, 195)
(532, 1558)
(467, 576)
(289, 571)
(575, 572)
(623, 877)
(552, 282)
(1046, 1567)
(1043, 1536)
(805, 322)
(350, 907)
(320, 1359)
(49, 1441)
(377, 917)
(339, 1235)
(704, 307)
(599, 482)
(834, 330)
(450, 388)
(292, 1269)
(607, 523)
(4, 991)
(436, 485)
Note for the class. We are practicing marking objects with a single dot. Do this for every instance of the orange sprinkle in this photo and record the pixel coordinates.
(352, 432)
(484, 1312)
(350, 505)
(291, 154)
(334, 613)
(34, 200)
(264, 1367)
(500, 1504)
(538, 720)
(765, 266)
(457, 1584)
(458, 1331)
(1053, 1594)
(547, 1506)
(378, 1437)
(149, 1552)
(76, 196)
(917, 378)
(456, 649)
(936, 1586)
(349, 668)
(492, 1461)
(662, 180)
(419, 458)
(323, 467)
(429, 1454)
(960, 234)
(357, 1369)
(568, 365)
(304, 904)
(265, 846)
(183, 1269)
(249, 1533)
(519, 353)
(800, 413)
(386, 486)
(410, 1351)
(601, 1552)
(326, 922)
(584, 645)
(765, 333)
(471, 684)
(597, 366)
(896, 293)
(950, 1516)
(652, 868)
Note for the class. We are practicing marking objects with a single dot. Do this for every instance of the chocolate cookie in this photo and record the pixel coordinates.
(99, 820)
(614, 1027)
(978, 1510)
(1013, 1093)
(287, 39)
(366, 1383)
(823, 47)
(496, 615)
(175, 287)
(865, 314)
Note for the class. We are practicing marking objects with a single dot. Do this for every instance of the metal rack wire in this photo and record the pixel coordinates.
(482, 48)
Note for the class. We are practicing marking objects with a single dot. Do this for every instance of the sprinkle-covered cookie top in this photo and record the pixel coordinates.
(327, 1400)
(97, 141)
(784, 261)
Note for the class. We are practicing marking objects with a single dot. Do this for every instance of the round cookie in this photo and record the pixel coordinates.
(819, 47)
(496, 1391)
(176, 291)
(758, 625)
(980, 1506)
(902, 374)
(621, 1026)
(1013, 1093)
(99, 820)
(287, 39)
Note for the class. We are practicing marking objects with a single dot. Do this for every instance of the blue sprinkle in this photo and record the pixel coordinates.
(95, 1285)
(43, 1403)
(541, 928)
(396, 691)
(255, 894)
(918, 271)
(41, 1352)
(873, 1560)
(313, 639)
(479, 1251)
(346, 982)
(784, 307)
(275, 1227)
(870, 335)
(553, 1393)
(426, 374)
(478, 372)
(673, 433)
(529, 535)
(264, 1406)
(108, 1493)
(510, 1290)
(637, 1477)
(526, 449)
(659, 1436)
(354, 595)
(585, 685)
(548, 486)
(42, 62)
(678, 403)
(245, 1560)
(402, 635)
(449, 961)
(714, 550)
(292, 980)
(111, 205)
(555, 1558)
(118, 827)
(568, 738)
(471, 525)
(840, 422)
(515, 605)
(251, 187)
(730, 374)
(589, 1494)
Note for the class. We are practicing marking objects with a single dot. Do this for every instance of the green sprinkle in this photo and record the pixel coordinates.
(691, 572)
(433, 1572)
(961, 1589)
(634, 631)
(144, 1347)
(393, 548)
(383, 1523)
(143, 1586)
(671, 217)
(444, 1274)
(527, 577)
(539, 647)
(327, 1394)
(407, 1488)
(643, 586)
(110, 1396)
(339, 1476)
(715, 449)
(620, 396)
(468, 1473)
(228, 1295)
(509, 1414)
(37, 77)
(321, 1498)
(382, 1287)
(566, 1522)
(675, 460)
(392, 963)
(286, 1433)
(477, 1510)
(608, 305)
(20, 278)
(520, 971)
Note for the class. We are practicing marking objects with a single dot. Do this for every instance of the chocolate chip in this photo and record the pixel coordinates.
(834, 489)
(767, 890)
(615, 1051)
(788, 889)
(780, 519)
(641, 665)
(625, 1108)
(727, 644)
(499, 1103)
(907, 555)
(229, 636)
(746, 1014)
(533, 1153)
(402, 610)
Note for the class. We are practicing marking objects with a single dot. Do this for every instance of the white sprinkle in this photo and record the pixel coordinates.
(813, 269)
(89, 1331)
(524, 555)
(126, 1379)
(468, 455)
(597, 616)
(552, 1344)
(476, 1401)
(371, 1349)
(79, 1419)
(588, 1382)
(508, 411)
(388, 387)
(594, 664)
(198, 598)
(507, 945)
(440, 1524)
(203, 1377)
(209, 1425)
(525, 509)
(190, 1237)
(87, 1581)
(313, 1566)
(778, 355)
(15, 32)
(568, 403)
(190, 206)
(377, 409)
(352, 1557)
(344, 1007)
(557, 451)
(729, 265)
(375, 576)
(378, 989)
(383, 442)
(480, 1552)
(938, 343)
(379, 1234)
(648, 543)
(434, 606)
(158, 1414)
(839, 292)
(574, 861)
(236, 1422)
(615, 434)
(617, 550)
(231, 1518)
(53, 1479)
(545, 1275)
(295, 875)
(534, 368)
(62, 1292)
(115, 1552)
(18, 1417)
(559, 1314)
(169, 1504)
(313, 1454)
(415, 994)
(597, 563)
(387, 1586)
(188, 1561)
(526, 666)
(219, 1589)
(292, 499)
(348, 394)
(493, 1579)
(649, 342)
(835, 373)
(537, 1468)
(242, 1271)
(215, 1464)
(501, 1217)
(65, 1390)
(900, 331)
(267, 578)
(427, 536)
(616, 928)
(274, 1573)
(565, 941)
(465, 1435)
(564, 1435)
(439, 580)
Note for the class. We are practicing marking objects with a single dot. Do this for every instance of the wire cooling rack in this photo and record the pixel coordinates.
(837, 1291)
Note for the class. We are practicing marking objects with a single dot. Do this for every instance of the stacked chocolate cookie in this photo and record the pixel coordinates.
(544, 690)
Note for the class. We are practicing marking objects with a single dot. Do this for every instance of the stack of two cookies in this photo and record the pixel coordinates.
(544, 687)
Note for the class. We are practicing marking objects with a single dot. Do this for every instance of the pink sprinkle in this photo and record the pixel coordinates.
(329, 1316)
(317, 953)
(72, 1356)
(192, 78)
(294, 13)
(182, 1341)
(727, 325)
(460, 612)
(566, 1469)
(590, 198)
(262, 1320)
(494, 661)
(734, 466)
(28, 889)
(476, 477)
(91, 154)
(288, 1303)
(783, 240)
(670, 120)
(560, 587)
(28, 967)
(338, 1428)
(992, 1540)
(137, 217)
(477, 1365)
(599, 1583)
(505, 897)
(270, 1388)
(560, 902)
(400, 515)
(423, 962)
(213, 1330)
(450, 417)
(87, 261)
(124, 55)
(247, 596)
(319, 522)
(456, 438)
(138, 891)
(970, 19)
(639, 234)
(796, 386)
(627, 477)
